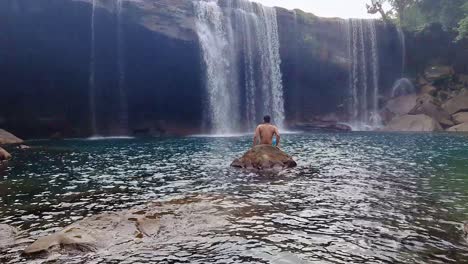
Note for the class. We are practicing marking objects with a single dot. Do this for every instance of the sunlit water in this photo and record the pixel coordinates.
(354, 198)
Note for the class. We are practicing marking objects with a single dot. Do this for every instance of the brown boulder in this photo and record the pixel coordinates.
(427, 105)
(264, 157)
(438, 72)
(459, 128)
(4, 155)
(401, 105)
(413, 123)
(460, 118)
(8, 138)
(456, 104)
(428, 89)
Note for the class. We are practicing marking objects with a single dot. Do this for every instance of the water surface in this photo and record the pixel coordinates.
(354, 198)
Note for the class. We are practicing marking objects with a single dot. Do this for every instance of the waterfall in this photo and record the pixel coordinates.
(123, 107)
(363, 73)
(401, 37)
(92, 73)
(240, 48)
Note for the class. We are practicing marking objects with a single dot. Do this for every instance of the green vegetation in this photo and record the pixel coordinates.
(417, 14)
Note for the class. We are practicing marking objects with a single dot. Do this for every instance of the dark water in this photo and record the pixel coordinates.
(354, 198)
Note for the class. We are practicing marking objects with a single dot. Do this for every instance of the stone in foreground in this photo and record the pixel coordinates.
(7, 235)
(413, 123)
(8, 138)
(265, 157)
(4, 155)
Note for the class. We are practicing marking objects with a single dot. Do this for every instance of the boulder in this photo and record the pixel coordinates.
(459, 128)
(8, 138)
(401, 105)
(427, 105)
(4, 155)
(460, 118)
(7, 235)
(438, 72)
(456, 104)
(428, 89)
(413, 123)
(264, 157)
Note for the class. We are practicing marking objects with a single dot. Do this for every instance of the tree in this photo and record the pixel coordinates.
(396, 10)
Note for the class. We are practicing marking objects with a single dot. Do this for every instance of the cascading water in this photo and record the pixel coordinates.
(402, 87)
(240, 47)
(401, 37)
(363, 73)
(123, 108)
(92, 73)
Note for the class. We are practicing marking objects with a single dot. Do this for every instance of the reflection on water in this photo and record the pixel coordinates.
(354, 198)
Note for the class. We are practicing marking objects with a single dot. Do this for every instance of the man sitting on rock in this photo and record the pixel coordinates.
(265, 132)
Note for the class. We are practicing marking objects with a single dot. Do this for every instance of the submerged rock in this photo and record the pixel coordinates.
(459, 128)
(7, 235)
(130, 230)
(456, 104)
(413, 123)
(4, 155)
(8, 138)
(265, 157)
(460, 118)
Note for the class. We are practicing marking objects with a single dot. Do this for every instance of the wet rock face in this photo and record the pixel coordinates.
(8, 138)
(413, 123)
(143, 227)
(428, 105)
(265, 157)
(460, 118)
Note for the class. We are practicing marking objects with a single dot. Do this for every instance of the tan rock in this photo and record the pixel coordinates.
(460, 118)
(264, 157)
(456, 104)
(413, 123)
(4, 155)
(8, 138)
(428, 105)
(459, 128)
(401, 105)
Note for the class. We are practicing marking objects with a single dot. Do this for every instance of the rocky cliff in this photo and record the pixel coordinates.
(148, 62)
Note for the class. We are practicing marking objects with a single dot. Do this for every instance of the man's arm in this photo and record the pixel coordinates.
(256, 136)
(278, 137)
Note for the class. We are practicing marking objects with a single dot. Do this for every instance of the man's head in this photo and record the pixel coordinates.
(267, 119)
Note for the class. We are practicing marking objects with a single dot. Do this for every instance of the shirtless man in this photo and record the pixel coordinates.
(265, 132)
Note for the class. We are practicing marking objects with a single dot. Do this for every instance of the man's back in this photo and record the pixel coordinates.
(265, 133)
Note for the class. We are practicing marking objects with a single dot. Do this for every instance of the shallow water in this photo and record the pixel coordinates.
(354, 198)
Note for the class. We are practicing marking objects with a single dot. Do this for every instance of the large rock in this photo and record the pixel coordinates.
(459, 128)
(7, 235)
(401, 105)
(181, 220)
(265, 157)
(427, 105)
(460, 118)
(413, 123)
(456, 104)
(439, 72)
(8, 138)
(4, 155)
